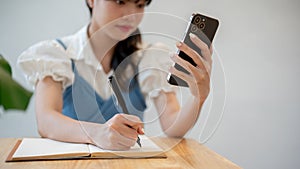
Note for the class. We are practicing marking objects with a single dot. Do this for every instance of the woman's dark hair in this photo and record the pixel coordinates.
(123, 49)
(147, 2)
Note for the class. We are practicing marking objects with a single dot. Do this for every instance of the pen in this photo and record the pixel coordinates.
(116, 89)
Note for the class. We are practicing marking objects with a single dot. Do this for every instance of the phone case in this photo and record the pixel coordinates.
(205, 28)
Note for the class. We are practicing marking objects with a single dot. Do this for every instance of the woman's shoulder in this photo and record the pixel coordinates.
(50, 58)
(44, 49)
(46, 58)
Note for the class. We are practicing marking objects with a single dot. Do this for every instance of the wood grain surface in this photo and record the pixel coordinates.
(181, 153)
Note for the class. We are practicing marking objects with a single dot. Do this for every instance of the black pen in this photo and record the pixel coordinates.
(116, 89)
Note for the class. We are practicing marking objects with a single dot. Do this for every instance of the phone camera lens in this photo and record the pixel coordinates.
(202, 25)
(194, 28)
(197, 19)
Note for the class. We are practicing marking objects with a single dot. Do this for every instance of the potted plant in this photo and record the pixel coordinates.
(12, 94)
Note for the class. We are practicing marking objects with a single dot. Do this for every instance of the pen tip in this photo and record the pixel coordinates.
(139, 141)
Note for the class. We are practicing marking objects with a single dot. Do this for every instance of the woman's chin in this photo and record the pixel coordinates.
(120, 37)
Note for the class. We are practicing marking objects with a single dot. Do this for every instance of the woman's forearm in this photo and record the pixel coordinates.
(55, 125)
(50, 121)
(179, 123)
(176, 120)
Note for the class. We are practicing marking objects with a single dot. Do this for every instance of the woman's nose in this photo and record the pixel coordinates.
(131, 13)
(131, 17)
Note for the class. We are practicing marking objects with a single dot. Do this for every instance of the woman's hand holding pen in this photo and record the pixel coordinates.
(118, 133)
(199, 77)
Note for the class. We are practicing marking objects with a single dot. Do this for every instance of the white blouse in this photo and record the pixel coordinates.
(49, 58)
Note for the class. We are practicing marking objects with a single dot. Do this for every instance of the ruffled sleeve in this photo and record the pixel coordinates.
(46, 58)
(153, 70)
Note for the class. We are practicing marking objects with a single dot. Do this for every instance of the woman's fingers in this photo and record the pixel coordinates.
(126, 142)
(191, 53)
(183, 63)
(195, 74)
(128, 126)
(133, 121)
(203, 61)
(179, 74)
(206, 52)
(119, 142)
(198, 77)
(127, 131)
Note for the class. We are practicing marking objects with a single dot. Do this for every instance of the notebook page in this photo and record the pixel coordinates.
(42, 147)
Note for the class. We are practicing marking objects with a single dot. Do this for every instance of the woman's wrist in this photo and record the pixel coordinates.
(88, 130)
(198, 100)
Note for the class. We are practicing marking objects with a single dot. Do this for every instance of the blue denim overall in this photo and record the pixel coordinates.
(82, 102)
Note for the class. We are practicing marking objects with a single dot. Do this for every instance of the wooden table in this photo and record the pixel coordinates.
(181, 153)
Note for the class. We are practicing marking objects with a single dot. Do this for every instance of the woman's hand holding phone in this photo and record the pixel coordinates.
(193, 63)
(198, 78)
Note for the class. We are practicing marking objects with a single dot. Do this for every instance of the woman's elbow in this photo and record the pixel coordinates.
(174, 134)
(42, 130)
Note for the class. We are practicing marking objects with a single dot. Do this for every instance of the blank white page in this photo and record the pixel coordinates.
(37, 147)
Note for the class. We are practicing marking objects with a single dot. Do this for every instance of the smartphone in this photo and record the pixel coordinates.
(205, 28)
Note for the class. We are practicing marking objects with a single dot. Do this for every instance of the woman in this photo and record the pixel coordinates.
(74, 104)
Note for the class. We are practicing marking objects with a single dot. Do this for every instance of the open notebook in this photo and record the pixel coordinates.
(44, 149)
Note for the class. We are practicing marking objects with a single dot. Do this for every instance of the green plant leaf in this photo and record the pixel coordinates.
(12, 94)
(5, 65)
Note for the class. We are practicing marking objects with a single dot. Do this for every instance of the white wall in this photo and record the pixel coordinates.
(257, 44)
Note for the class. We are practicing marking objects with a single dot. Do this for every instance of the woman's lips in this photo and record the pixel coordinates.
(124, 28)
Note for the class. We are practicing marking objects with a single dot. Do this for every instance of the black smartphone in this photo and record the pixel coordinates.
(205, 28)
